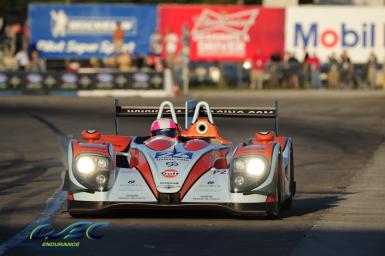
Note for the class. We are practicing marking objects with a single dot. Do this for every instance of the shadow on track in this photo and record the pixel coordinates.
(301, 206)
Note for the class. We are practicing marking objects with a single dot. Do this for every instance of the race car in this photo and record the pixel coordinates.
(191, 168)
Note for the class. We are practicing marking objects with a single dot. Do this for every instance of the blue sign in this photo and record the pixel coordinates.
(83, 31)
(176, 155)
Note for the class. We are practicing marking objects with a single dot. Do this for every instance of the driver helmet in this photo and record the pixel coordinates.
(165, 127)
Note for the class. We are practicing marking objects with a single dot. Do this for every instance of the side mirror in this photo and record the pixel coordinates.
(91, 135)
(220, 163)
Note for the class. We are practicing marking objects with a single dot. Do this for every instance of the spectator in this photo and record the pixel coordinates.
(314, 66)
(333, 72)
(2, 66)
(257, 71)
(37, 64)
(306, 69)
(125, 62)
(346, 70)
(22, 60)
(151, 61)
(274, 69)
(383, 75)
(118, 38)
(140, 62)
(171, 41)
(9, 60)
(371, 71)
(156, 43)
(293, 70)
(72, 66)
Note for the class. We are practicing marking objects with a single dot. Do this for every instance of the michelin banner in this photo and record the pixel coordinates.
(331, 30)
(222, 33)
(86, 30)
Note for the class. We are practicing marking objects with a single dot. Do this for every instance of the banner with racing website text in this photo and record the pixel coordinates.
(83, 31)
(328, 30)
(222, 33)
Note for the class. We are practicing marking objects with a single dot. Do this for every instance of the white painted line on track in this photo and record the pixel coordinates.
(53, 204)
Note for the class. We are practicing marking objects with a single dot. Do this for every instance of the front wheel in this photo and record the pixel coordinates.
(293, 186)
(276, 211)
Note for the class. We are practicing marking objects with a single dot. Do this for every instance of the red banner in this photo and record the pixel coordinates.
(222, 33)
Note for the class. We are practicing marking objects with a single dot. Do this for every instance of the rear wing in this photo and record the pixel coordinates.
(193, 110)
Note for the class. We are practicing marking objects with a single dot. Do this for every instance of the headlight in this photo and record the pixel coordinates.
(256, 166)
(93, 171)
(85, 165)
(248, 172)
(88, 164)
(239, 164)
(102, 163)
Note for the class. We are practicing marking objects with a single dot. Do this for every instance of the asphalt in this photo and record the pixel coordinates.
(338, 138)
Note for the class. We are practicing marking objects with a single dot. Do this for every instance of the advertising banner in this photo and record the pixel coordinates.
(86, 30)
(221, 33)
(64, 81)
(328, 30)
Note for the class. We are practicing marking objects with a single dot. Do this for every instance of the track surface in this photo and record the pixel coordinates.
(335, 135)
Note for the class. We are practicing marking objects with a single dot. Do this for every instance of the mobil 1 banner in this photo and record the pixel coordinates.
(146, 81)
(331, 30)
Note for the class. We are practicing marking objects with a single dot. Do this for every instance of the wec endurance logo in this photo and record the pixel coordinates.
(75, 231)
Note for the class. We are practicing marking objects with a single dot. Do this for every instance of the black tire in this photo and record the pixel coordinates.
(288, 202)
(293, 185)
(276, 212)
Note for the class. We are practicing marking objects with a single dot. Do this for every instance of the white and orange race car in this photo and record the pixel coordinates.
(197, 169)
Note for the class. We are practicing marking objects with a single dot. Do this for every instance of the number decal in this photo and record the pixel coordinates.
(177, 155)
(170, 164)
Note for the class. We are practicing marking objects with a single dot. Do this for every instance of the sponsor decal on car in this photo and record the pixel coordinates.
(173, 155)
(171, 164)
(168, 183)
(170, 173)
(220, 172)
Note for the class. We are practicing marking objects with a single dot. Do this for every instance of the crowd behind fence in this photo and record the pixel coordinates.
(339, 72)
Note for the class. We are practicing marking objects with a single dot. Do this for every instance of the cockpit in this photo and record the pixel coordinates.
(199, 123)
